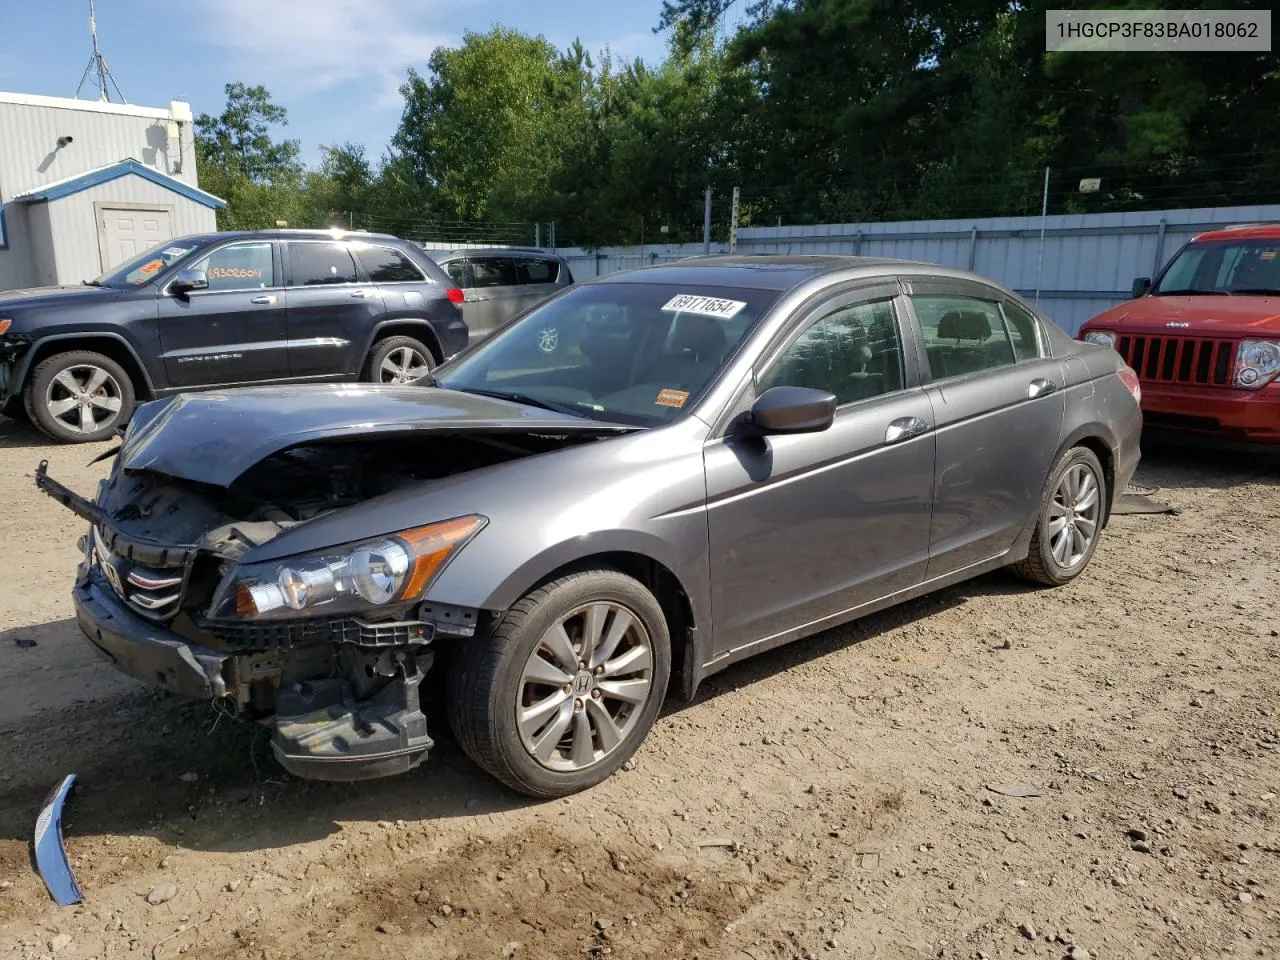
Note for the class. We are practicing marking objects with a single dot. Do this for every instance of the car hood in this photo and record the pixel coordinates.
(52, 296)
(1222, 316)
(216, 436)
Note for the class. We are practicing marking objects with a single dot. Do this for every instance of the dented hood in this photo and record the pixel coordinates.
(214, 437)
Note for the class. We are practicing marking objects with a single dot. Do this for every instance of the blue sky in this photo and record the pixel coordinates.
(335, 64)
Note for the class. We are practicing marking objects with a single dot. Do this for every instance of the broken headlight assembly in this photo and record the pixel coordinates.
(354, 578)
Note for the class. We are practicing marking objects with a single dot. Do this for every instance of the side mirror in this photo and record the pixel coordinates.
(792, 410)
(188, 279)
(1140, 287)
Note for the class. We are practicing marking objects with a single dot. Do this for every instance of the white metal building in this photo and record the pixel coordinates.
(85, 185)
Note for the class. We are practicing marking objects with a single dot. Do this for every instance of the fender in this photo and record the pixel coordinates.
(684, 571)
(375, 334)
(24, 362)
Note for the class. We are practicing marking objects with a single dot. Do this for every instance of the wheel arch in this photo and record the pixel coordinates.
(687, 621)
(1095, 438)
(418, 328)
(109, 345)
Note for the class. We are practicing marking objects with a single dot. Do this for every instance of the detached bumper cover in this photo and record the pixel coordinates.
(144, 650)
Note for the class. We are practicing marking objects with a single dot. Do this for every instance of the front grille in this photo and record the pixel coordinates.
(153, 591)
(1191, 360)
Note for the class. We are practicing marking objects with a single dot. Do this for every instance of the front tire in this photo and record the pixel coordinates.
(79, 397)
(399, 360)
(566, 687)
(1072, 511)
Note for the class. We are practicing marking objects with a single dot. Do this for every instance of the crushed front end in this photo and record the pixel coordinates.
(329, 649)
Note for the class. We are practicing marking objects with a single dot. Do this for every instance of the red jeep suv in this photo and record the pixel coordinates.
(1205, 338)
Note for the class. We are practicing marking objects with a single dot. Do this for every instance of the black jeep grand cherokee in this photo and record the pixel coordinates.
(225, 309)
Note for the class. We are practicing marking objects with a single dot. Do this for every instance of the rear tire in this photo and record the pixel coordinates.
(542, 724)
(79, 397)
(1069, 522)
(399, 360)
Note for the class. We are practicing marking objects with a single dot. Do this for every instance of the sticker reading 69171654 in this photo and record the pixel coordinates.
(707, 306)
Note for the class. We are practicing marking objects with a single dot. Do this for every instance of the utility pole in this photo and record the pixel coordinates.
(537, 234)
(1044, 212)
(706, 224)
(733, 224)
(551, 231)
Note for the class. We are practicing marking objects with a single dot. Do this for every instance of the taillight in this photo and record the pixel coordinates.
(1130, 379)
(454, 294)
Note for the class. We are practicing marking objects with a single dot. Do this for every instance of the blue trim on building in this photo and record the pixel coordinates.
(95, 178)
(4, 228)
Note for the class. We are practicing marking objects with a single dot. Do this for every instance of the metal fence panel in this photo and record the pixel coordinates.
(1087, 263)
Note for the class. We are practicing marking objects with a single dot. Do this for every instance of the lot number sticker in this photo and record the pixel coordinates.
(706, 306)
(672, 398)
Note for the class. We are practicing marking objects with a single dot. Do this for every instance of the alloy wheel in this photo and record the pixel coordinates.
(403, 365)
(584, 687)
(84, 397)
(1074, 512)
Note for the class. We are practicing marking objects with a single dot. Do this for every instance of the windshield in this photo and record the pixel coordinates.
(633, 353)
(1224, 267)
(144, 267)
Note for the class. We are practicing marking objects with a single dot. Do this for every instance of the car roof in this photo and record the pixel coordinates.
(1241, 231)
(284, 233)
(494, 252)
(774, 272)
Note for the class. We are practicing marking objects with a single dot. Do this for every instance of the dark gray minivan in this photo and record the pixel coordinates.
(500, 282)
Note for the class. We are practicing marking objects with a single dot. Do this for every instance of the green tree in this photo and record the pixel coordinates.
(238, 159)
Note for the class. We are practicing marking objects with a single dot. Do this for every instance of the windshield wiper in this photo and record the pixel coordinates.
(1192, 292)
(93, 283)
(1256, 290)
(528, 401)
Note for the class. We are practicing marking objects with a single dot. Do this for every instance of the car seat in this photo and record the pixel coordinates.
(959, 357)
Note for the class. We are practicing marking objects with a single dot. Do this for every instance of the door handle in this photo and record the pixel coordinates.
(263, 300)
(359, 294)
(1040, 387)
(904, 428)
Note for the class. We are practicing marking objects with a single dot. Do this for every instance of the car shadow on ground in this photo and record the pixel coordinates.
(15, 434)
(1188, 462)
(189, 775)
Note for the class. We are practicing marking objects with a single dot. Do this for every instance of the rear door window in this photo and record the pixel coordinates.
(1023, 330)
(493, 272)
(537, 271)
(457, 271)
(962, 335)
(320, 264)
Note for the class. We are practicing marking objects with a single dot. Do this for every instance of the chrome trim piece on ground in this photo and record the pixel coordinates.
(51, 858)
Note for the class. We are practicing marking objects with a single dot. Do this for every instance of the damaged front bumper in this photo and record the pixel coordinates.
(324, 727)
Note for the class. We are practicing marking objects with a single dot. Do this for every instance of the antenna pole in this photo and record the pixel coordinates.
(98, 65)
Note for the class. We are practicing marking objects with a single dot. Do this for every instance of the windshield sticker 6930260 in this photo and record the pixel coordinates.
(706, 306)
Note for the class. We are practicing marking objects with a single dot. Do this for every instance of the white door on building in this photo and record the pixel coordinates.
(129, 232)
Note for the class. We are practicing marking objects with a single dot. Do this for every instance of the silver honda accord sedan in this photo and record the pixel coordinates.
(625, 489)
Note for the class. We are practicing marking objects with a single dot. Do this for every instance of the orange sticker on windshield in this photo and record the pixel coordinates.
(1267, 255)
(672, 398)
(153, 266)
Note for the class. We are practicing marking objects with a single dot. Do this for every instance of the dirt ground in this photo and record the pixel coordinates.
(830, 799)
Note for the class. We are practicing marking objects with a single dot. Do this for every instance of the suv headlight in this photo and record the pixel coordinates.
(1257, 363)
(347, 579)
(1103, 338)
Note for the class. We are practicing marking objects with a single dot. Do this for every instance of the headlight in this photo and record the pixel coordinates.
(346, 579)
(1257, 363)
(1103, 338)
